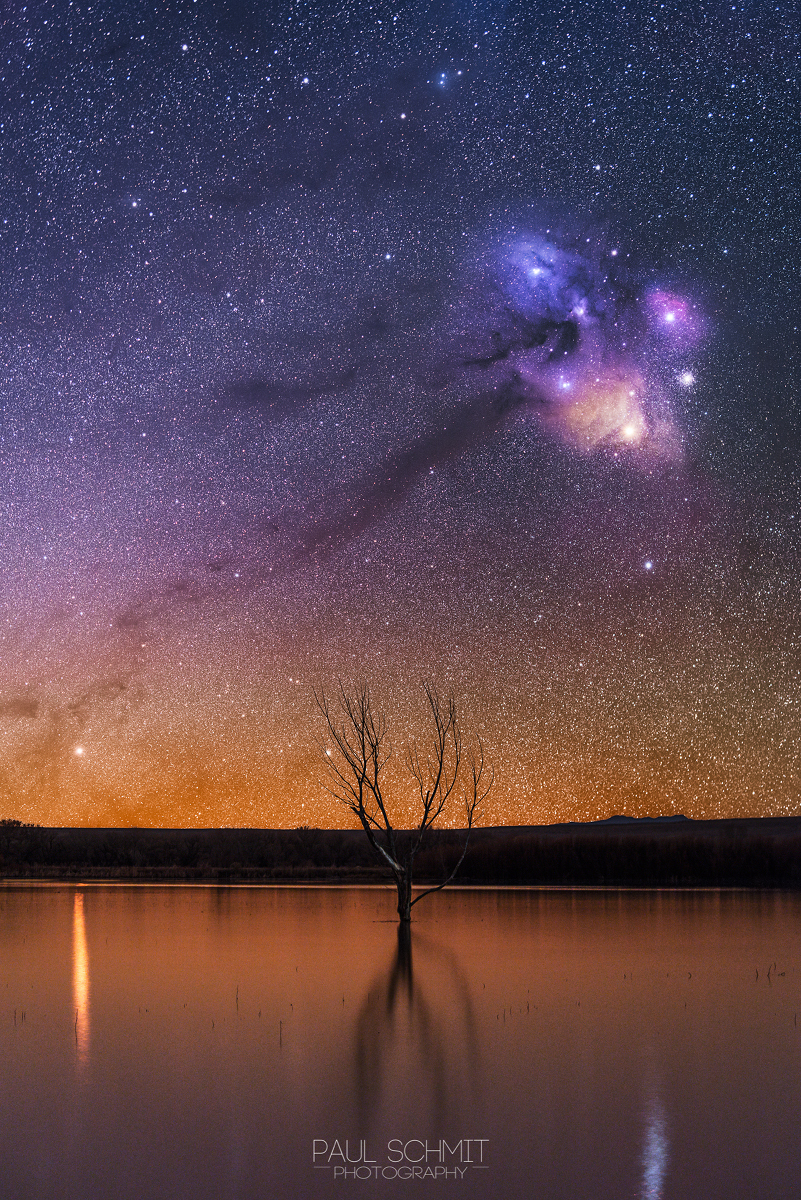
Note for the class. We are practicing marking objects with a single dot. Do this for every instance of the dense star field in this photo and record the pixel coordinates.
(393, 343)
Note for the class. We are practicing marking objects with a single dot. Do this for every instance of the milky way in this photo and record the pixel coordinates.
(395, 344)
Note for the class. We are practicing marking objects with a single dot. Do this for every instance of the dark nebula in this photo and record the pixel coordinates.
(398, 343)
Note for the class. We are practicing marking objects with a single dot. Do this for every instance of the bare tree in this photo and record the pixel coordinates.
(356, 765)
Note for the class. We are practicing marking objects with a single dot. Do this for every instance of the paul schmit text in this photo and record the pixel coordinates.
(414, 1152)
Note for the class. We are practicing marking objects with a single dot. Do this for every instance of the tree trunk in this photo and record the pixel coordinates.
(404, 883)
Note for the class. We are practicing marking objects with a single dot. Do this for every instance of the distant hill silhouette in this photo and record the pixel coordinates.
(620, 819)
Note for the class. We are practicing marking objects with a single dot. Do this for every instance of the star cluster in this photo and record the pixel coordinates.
(398, 342)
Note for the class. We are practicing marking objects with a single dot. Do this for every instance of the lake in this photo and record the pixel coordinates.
(246, 1042)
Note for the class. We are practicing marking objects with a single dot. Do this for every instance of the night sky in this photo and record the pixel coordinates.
(398, 343)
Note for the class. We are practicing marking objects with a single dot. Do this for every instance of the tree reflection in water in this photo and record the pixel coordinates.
(417, 1032)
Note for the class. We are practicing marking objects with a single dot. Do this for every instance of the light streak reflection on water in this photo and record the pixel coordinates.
(655, 1151)
(80, 980)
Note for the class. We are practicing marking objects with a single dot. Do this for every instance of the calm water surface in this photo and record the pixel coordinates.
(256, 1042)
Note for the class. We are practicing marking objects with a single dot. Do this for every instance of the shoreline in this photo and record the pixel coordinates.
(757, 852)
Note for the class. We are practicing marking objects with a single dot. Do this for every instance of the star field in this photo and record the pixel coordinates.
(398, 343)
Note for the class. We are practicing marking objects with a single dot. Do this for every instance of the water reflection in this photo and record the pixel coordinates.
(417, 1024)
(655, 1151)
(606, 1044)
(80, 980)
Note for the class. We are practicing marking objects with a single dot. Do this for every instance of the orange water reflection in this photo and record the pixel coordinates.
(603, 1044)
(80, 980)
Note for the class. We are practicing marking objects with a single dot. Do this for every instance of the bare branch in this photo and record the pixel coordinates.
(473, 799)
(356, 761)
(358, 739)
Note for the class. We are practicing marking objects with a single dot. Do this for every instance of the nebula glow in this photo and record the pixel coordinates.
(390, 345)
(675, 317)
(585, 339)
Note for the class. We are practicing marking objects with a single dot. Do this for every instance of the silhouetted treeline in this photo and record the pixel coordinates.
(258, 854)
(735, 853)
(667, 853)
